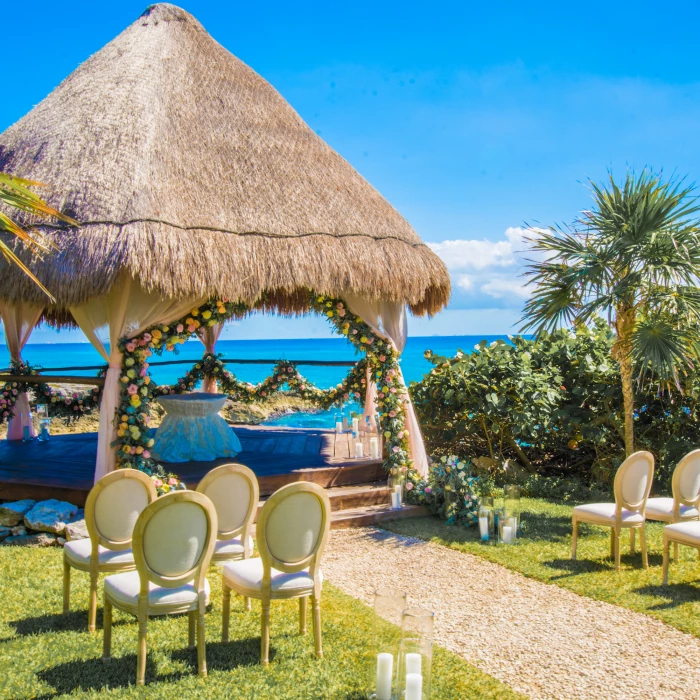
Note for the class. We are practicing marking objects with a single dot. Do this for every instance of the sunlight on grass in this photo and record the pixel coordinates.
(544, 553)
(44, 654)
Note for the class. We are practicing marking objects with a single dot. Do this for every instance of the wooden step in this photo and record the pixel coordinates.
(372, 515)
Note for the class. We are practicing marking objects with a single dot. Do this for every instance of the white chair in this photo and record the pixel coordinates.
(686, 533)
(632, 485)
(234, 491)
(173, 544)
(111, 510)
(291, 534)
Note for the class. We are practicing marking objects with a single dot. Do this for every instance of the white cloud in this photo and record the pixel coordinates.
(484, 270)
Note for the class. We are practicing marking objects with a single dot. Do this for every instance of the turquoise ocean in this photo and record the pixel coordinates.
(414, 365)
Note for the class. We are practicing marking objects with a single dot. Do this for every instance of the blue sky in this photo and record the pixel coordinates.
(471, 119)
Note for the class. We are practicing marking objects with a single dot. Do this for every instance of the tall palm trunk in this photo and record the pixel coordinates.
(624, 325)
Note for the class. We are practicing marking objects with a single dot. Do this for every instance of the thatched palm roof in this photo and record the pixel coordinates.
(193, 174)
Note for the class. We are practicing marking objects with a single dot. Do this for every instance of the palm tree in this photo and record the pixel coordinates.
(634, 257)
(15, 193)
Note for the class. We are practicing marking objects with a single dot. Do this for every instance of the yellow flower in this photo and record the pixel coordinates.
(195, 312)
(151, 442)
(329, 314)
(126, 449)
(157, 334)
(125, 418)
(131, 374)
(221, 310)
(363, 339)
(211, 323)
(189, 321)
(196, 323)
(123, 426)
(206, 315)
(125, 380)
(146, 380)
(139, 450)
(120, 433)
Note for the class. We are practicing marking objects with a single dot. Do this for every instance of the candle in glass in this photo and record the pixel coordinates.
(355, 426)
(374, 448)
(484, 527)
(507, 534)
(414, 686)
(358, 450)
(339, 427)
(385, 668)
(413, 664)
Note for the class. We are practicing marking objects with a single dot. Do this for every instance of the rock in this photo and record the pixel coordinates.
(18, 531)
(76, 530)
(40, 539)
(5, 532)
(50, 516)
(12, 513)
(60, 541)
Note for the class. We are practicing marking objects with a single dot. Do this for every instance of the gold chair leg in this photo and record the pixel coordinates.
(92, 612)
(667, 545)
(246, 604)
(201, 642)
(643, 543)
(574, 538)
(66, 586)
(141, 654)
(226, 613)
(632, 534)
(302, 615)
(265, 633)
(612, 543)
(675, 552)
(107, 640)
(616, 547)
(316, 607)
(191, 626)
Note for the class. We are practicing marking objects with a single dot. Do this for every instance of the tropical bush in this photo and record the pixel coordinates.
(551, 407)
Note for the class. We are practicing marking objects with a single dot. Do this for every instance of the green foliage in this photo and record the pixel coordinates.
(551, 406)
(50, 655)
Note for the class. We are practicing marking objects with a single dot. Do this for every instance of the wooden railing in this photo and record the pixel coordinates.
(7, 376)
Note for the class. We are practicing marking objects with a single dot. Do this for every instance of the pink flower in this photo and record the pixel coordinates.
(263, 393)
(67, 402)
(409, 486)
(354, 331)
(146, 454)
(289, 369)
(180, 328)
(302, 387)
(428, 489)
(340, 304)
(392, 390)
(396, 450)
(147, 337)
(357, 394)
(392, 414)
(131, 346)
(172, 481)
(133, 389)
(191, 328)
(341, 313)
(157, 483)
(382, 358)
(143, 372)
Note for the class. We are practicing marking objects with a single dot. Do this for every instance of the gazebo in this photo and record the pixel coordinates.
(199, 188)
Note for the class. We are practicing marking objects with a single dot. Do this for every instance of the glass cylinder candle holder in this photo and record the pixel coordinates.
(389, 606)
(506, 529)
(44, 429)
(415, 655)
(511, 502)
(486, 519)
(395, 482)
(338, 422)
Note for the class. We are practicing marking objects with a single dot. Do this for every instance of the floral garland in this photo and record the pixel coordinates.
(392, 395)
(285, 373)
(70, 405)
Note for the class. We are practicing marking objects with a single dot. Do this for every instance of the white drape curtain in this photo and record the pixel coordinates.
(19, 321)
(209, 335)
(389, 321)
(125, 311)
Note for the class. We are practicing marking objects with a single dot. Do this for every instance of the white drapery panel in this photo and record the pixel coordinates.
(209, 335)
(389, 321)
(126, 311)
(19, 321)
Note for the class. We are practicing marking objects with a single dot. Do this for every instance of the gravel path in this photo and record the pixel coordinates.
(540, 639)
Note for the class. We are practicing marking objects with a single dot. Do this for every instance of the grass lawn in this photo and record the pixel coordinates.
(544, 553)
(44, 654)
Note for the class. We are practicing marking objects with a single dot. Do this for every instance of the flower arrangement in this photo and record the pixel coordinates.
(383, 359)
(11, 390)
(450, 491)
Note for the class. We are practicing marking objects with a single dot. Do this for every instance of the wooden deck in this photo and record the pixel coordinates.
(63, 468)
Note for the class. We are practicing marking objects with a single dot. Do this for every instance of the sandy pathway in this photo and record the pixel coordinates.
(540, 639)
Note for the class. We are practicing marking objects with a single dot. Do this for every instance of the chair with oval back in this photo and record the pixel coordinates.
(632, 485)
(291, 535)
(234, 491)
(173, 544)
(111, 510)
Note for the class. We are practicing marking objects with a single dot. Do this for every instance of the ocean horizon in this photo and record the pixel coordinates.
(414, 365)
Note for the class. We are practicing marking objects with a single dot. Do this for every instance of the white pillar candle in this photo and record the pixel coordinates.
(414, 686)
(385, 669)
(345, 423)
(356, 425)
(395, 500)
(397, 488)
(413, 664)
(484, 528)
(507, 534)
(358, 450)
(338, 427)
(374, 448)
(513, 522)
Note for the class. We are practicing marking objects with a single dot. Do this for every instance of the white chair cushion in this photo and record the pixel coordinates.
(232, 548)
(688, 532)
(247, 575)
(663, 508)
(605, 513)
(78, 552)
(124, 589)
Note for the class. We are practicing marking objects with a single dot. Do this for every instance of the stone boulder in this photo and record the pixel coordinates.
(11, 514)
(40, 539)
(50, 516)
(76, 530)
(5, 532)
